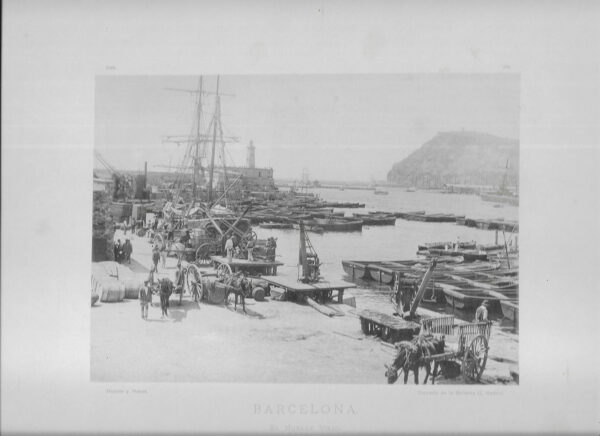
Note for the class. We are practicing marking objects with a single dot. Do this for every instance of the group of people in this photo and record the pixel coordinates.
(122, 251)
(233, 249)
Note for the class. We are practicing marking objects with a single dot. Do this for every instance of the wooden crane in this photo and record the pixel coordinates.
(308, 258)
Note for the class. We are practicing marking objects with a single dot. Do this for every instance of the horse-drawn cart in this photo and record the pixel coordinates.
(470, 351)
(472, 344)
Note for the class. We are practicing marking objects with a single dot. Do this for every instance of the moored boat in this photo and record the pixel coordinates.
(376, 220)
(467, 245)
(339, 225)
(466, 299)
(405, 214)
(510, 309)
(356, 269)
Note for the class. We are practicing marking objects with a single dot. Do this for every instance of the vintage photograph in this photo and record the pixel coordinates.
(351, 229)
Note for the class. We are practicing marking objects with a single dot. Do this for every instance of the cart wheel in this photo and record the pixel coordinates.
(203, 253)
(193, 279)
(224, 271)
(475, 358)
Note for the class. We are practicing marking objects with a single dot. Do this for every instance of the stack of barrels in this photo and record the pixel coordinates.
(113, 282)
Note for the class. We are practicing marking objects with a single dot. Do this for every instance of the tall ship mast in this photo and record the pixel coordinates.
(201, 138)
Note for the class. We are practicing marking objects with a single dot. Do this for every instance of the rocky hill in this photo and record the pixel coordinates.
(469, 158)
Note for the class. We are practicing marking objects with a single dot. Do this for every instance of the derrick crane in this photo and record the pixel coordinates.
(122, 184)
(308, 258)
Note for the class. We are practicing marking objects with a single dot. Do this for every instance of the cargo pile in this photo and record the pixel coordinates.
(113, 282)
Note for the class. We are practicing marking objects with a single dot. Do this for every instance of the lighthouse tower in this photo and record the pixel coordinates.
(250, 155)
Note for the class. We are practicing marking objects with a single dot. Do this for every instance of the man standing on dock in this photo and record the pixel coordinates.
(145, 297)
(481, 314)
(250, 248)
(229, 248)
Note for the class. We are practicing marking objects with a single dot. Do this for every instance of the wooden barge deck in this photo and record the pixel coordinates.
(320, 291)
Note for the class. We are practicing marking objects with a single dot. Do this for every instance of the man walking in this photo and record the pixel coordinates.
(155, 258)
(127, 250)
(179, 278)
(145, 297)
(118, 251)
(166, 289)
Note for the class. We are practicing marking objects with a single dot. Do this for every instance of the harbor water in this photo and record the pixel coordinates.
(396, 242)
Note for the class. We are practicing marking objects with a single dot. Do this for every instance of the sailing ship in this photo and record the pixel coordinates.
(503, 194)
(203, 208)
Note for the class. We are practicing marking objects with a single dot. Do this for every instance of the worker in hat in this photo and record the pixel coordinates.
(145, 297)
(481, 314)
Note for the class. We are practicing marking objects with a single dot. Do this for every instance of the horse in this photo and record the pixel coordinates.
(410, 357)
(407, 359)
(240, 286)
(431, 345)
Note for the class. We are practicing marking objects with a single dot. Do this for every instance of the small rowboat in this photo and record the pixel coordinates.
(510, 309)
(376, 219)
(466, 299)
(356, 269)
(339, 225)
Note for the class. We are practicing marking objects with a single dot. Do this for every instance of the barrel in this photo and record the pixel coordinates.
(216, 292)
(110, 290)
(132, 288)
(258, 294)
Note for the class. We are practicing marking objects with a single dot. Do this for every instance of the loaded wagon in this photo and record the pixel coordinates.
(196, 240)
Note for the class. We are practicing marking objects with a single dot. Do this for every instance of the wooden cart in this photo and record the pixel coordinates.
(472, 341)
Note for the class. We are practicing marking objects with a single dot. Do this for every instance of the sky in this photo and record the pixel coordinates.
(337, 127)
